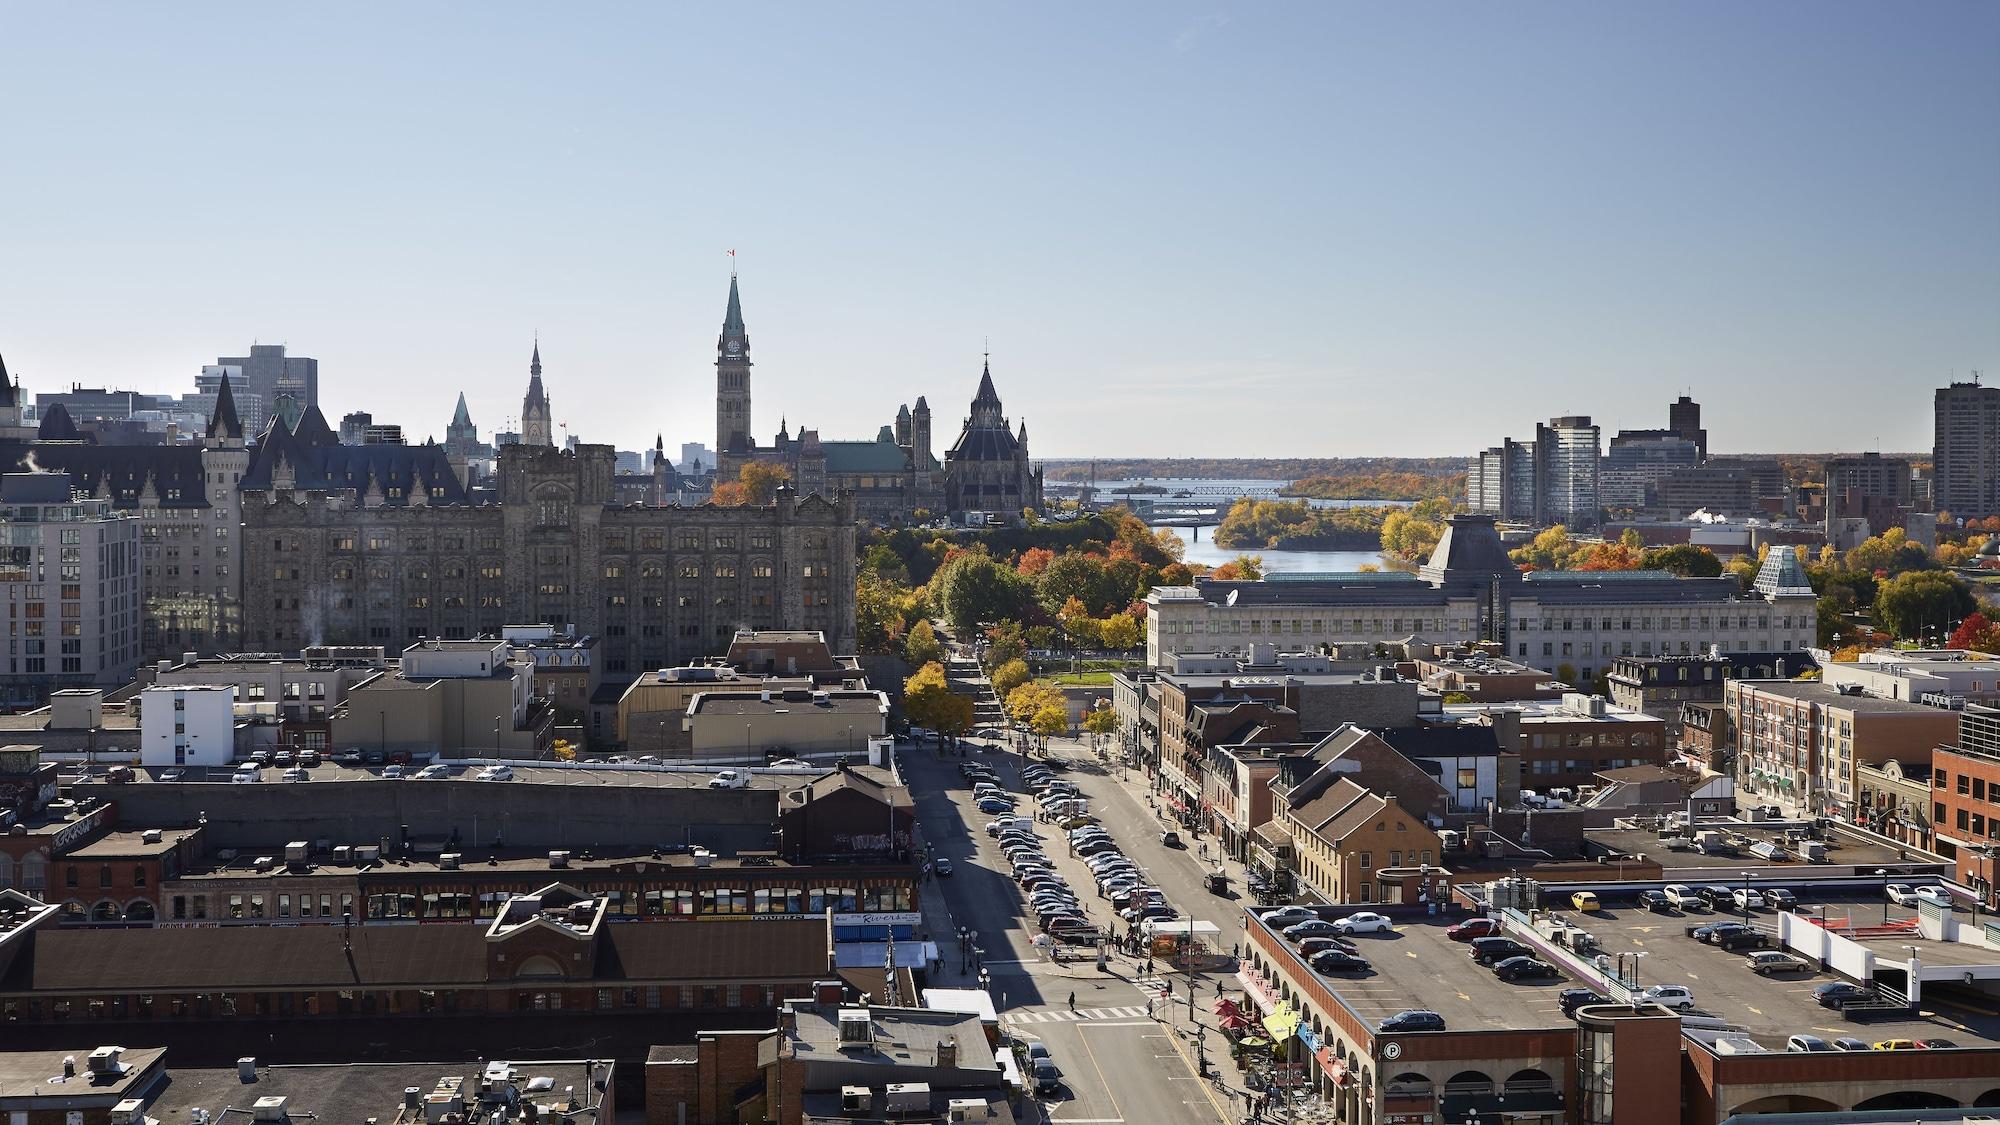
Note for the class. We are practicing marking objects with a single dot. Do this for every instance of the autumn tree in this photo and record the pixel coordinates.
(1246, 568)
(1009, 676)
(1100, 720)
(1976, 634)
(971, 589)
(755, 484)
(1024, 701)
(1050, 720)
(929, 702)
(1005, 642)
(1683, 559)
(1121, 632)
(922, 646)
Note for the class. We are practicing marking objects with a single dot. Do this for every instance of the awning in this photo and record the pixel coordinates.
(1233, 1021)
(1283, 1023)
(1334, 1068)
(1489, 1109)
(1225, 1006)
(1259, 993)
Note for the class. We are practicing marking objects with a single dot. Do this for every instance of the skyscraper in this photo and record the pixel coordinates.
(1965, 451)
(1566, 452)
(1684, 418)
(268, 372)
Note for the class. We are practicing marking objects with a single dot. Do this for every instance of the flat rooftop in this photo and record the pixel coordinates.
(591, 774)
(1772, 1008)
(1841, 851)
(753, 704)
(477, 860)
(356, 1092)
(1417, 966)
(123, 844)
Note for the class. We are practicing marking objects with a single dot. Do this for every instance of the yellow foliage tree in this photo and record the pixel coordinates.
(755, 484)
(1050, 720)
(1102, 720)
(1009, 676)
(1121, 631)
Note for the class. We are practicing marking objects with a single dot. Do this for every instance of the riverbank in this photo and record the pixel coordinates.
(1201, 547)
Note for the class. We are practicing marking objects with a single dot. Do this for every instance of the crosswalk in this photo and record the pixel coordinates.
(1064, 1015)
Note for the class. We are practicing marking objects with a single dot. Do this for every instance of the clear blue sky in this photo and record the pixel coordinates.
(1311, 229)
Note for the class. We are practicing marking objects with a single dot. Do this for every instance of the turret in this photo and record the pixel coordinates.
(225, 429)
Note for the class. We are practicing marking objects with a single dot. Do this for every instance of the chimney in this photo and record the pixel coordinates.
(246, 1069)
(828, 992)
(947, 1054)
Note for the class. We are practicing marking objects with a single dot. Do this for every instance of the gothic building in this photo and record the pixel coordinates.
(383, 545)
(185, 496)
(892, 478)
(535, 428)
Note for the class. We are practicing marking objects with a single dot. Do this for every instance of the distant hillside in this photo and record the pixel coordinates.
(1253, 468)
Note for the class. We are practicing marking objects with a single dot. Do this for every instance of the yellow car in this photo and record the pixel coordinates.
(1897, 1045)
(1585, 901)
(1076, 822)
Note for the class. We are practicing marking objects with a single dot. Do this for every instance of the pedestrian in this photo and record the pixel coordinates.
(1072, 1001)
(1149, 966)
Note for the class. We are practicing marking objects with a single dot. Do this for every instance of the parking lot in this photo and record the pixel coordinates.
(1773, 1008)
(1414, 965)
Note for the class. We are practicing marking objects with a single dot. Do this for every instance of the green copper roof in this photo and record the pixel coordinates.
(732, 321)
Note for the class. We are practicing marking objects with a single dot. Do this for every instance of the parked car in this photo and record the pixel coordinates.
(1684, 897)
(1849, 1043)
(1313, 946)
(1285, 916)
(1413, 1019)
(392, 773)
(1778, 898)
(943, 868)
(1673, 996)
(1048, 1079)
(1838, 994)
(1936, 1044)
(1747, 899)
(1584, 901)
(1570, 999)
(506, 773)
(1717, 896)
(433, 771)
(1366, 922)
(1170, 838)
(1473, 928)
(1338, 961)
(729, 779)
(1655, 901)
(1902, 894)
(1312, 927)
(1493, 950)
(1895, 1045)
(988, 805)
(1805, 1043)
(1771, 961)
(1715, 933)
(246, 775)
(1936, 896)
(1525, 968)
(172, 775)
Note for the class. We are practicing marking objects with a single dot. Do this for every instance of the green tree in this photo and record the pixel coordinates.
(1683, 559)
(972, 589)
(1009, 676)
(1083, 578)
(1121, 631)
(881, 613)
(1246, 568)
(922, 647)
(1912, 603)
(1005, 642)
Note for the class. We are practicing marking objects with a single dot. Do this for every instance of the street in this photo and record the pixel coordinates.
(1119, 1063)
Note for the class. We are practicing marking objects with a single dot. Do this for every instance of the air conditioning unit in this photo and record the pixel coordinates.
(344, 854)
(131, 1111)
(448, 861)
(270, 1108)
(960, 1110)
(854, 1099)
(367, 853)
(150, 836)
(558, 859)
(855, 1028)
(105, 1060)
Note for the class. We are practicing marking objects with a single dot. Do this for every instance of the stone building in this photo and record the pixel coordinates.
(189, 528)
(380, 544)
(893, 476)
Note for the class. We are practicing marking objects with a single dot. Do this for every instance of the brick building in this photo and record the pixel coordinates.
(1965, 800)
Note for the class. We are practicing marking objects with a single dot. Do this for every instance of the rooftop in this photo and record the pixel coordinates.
(1841, 850)
(364, 1091)
(39, 1074)
(1828, 695)
(782, 703)
(121, 845)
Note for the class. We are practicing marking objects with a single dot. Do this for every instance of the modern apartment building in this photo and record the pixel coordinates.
(69, 573)
(1798, 742)
(1573, 623)
(1548, 481)
(1965, 451)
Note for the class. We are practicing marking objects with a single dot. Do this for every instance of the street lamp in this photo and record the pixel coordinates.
(1882, 873)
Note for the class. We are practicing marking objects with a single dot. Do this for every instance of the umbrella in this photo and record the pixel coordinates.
(1224, 1006)
(1232, 1021)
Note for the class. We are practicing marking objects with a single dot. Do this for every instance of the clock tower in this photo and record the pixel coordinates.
(732, 388)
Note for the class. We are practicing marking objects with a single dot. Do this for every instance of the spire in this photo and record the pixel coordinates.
(1024, 432)
(9, 394)
(732, 321)
(57, 425)
(536, 397)
(659, 441)
(462, 417)
(987, 395)
(222, 421)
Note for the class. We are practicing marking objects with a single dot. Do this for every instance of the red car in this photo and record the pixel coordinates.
(1473, 928)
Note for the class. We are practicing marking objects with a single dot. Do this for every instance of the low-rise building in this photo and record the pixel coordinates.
(1566, 743)
(1938, 677)
(454, 699)
(1894, 799)
(567, 671)
(1965, 800)
(1658, 685)
(651, 711)
(1484, 677)
(797, 723)
(1347, 836)
(187, 726)
(298, 691)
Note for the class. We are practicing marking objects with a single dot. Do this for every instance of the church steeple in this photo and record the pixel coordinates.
(535, 429)
(732, 320)
(462, 417)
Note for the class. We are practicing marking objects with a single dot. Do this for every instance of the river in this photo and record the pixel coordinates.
(1205, 551)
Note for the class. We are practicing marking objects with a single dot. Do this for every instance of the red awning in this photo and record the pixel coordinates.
(1335, 1069)
(1225, 1005)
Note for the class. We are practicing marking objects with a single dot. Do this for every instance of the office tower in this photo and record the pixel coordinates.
(1965, 453)
(268, 372)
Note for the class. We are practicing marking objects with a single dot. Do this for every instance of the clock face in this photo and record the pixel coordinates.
(734, 347)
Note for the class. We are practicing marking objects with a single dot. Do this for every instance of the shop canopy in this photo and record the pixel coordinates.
(1283, 1023)
(1161, 927)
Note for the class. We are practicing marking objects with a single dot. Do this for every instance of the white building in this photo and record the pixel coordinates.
(1470, 591)
(1942, 677)
(187, 725)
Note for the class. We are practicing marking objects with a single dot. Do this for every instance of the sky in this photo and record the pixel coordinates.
(1277, 229)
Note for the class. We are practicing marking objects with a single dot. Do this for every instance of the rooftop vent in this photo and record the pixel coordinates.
(559, 859)
(855, 1028)
(105, 1060)
(130, 1111)
(269, 1108)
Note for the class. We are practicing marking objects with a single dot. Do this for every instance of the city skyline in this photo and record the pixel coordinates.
(1153, 208)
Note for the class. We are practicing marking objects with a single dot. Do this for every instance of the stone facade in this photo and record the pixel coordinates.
(660, 585)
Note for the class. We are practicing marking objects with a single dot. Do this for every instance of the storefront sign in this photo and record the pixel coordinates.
(886, 918)
(1407, 1119)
